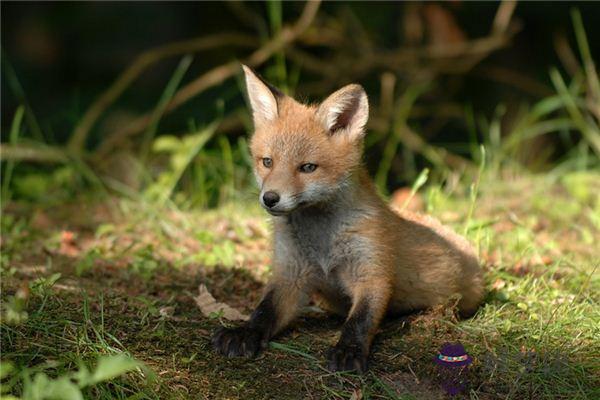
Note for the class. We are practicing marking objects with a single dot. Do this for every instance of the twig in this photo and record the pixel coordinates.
(388, 84)
(514, 78)
(311, 63)
(248, 17)
(503, 17)
(135, 69)
(21, 152)
(219, 74)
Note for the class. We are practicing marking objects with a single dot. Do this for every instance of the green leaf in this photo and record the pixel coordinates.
(110, 367)
(32, 186)
(166, 143)
(83, 376)
(6, 367)
(582, 185)
(104, 229)
(37, 388)
(62, 389)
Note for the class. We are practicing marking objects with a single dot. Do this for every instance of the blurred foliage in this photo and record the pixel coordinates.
(146, 101)
(69, 386)
(94, 101)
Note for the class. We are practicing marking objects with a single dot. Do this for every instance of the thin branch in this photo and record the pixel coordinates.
(503, 16)
(139, 65)
(219, 74)
(515, 79)
(35, 153)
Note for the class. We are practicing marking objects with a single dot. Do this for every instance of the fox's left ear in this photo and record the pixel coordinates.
(345, 111)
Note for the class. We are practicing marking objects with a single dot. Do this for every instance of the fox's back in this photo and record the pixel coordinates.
(426, 261)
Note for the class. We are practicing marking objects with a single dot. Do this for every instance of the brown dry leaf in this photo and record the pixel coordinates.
(208, 305)
(68, 247)
(356, 395)
(541, 260)
(521, 268)
(166, 312)
(498, 284)
(525, 265)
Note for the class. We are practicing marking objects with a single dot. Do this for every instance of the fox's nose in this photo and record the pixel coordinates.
(270, 198)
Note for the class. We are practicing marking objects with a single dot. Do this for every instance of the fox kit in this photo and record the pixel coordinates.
(334, 238)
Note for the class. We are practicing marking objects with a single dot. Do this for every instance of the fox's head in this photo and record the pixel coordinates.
(304, 154)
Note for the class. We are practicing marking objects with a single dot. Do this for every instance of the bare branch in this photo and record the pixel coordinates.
(135, 69)
(35, 153)
(219, 74)
(503, 16)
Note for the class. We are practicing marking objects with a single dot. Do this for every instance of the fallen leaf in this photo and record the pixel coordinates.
(166, 312)
(208, 305)
(498, 284)
(541, 260)
(68, 247)
(521, 268)
(526, 265)
(356, 395)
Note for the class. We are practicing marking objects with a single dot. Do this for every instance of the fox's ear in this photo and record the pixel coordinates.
(263, 97)
(346, 111)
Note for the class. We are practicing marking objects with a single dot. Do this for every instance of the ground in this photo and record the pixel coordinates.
(108, 276)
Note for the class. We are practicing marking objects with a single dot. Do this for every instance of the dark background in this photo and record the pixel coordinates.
(64, 55)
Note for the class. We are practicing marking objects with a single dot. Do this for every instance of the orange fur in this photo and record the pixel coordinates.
(334, 237)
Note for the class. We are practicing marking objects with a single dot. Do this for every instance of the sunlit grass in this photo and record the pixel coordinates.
(93, 267)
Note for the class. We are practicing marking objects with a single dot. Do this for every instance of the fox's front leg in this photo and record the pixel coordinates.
(370, 298)
(278, 307)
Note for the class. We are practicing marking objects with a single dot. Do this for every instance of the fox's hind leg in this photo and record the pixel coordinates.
(278, 307)
(332, 301)
(370, 298)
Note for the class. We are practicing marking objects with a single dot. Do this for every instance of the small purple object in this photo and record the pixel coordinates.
(453, 355)
(454, 360)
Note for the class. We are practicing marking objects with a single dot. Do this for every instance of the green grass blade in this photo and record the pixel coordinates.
(275, 12)
(15, 130)
(199, 141)
(419, 182)
(475, 190)
(587, 128)
(584, 49)
(15, 85)
(228, 186)
(160, 108)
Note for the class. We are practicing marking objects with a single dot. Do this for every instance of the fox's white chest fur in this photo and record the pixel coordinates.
(321, 240)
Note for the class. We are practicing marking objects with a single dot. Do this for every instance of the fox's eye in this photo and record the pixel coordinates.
(308, 168)
(267, 162)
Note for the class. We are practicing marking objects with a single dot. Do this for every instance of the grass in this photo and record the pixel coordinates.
(114, 281)
(98, 288)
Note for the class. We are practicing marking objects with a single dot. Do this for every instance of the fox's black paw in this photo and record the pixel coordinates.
(343, 357)
(237, 342)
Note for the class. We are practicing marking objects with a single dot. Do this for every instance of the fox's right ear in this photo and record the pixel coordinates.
(263, 98)
(345, 112)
